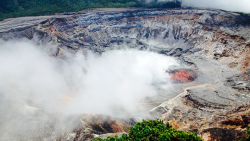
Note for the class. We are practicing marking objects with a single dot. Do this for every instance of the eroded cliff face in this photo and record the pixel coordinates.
(212, 86)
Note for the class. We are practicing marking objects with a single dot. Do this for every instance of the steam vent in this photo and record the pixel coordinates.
(209, 88)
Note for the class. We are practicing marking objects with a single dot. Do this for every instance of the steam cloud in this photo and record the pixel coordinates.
(229, 5)
(34, 86)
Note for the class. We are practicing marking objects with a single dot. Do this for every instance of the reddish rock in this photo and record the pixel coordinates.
(182, 76)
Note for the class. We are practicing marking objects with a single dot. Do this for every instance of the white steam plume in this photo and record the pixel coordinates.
(34, 86)
(228, 5)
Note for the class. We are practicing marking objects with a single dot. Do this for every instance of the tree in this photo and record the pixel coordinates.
(154, 130)
(7, 6)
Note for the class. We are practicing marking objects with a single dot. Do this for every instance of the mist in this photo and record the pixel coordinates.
(38, 89)
(228, 5)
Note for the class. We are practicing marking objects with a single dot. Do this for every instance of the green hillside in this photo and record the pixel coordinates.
(19, 8)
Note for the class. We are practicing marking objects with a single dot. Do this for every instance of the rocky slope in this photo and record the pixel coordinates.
(213, 46)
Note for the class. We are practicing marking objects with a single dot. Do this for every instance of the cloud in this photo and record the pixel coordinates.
(38, 90)
(229, 5)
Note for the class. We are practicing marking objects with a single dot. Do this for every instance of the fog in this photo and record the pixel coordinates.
(229, 5)
(37, 88)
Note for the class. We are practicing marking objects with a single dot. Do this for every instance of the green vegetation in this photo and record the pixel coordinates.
(243, 14)
(156, 4)
(18, 8)
(154, 130)
(248, 132)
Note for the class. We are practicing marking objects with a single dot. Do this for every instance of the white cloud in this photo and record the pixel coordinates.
(34, 84)
(229, 5)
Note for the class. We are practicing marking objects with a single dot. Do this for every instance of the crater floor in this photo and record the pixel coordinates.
(213, 45)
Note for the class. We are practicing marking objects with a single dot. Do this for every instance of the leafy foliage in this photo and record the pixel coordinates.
(18, 8)
(248, 132)
(154, 130)
(161, 4)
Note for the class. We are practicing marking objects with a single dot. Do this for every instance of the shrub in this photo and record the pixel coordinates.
(154, 130)
(248, 133)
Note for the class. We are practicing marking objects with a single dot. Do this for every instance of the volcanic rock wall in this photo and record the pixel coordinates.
(212, 46)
